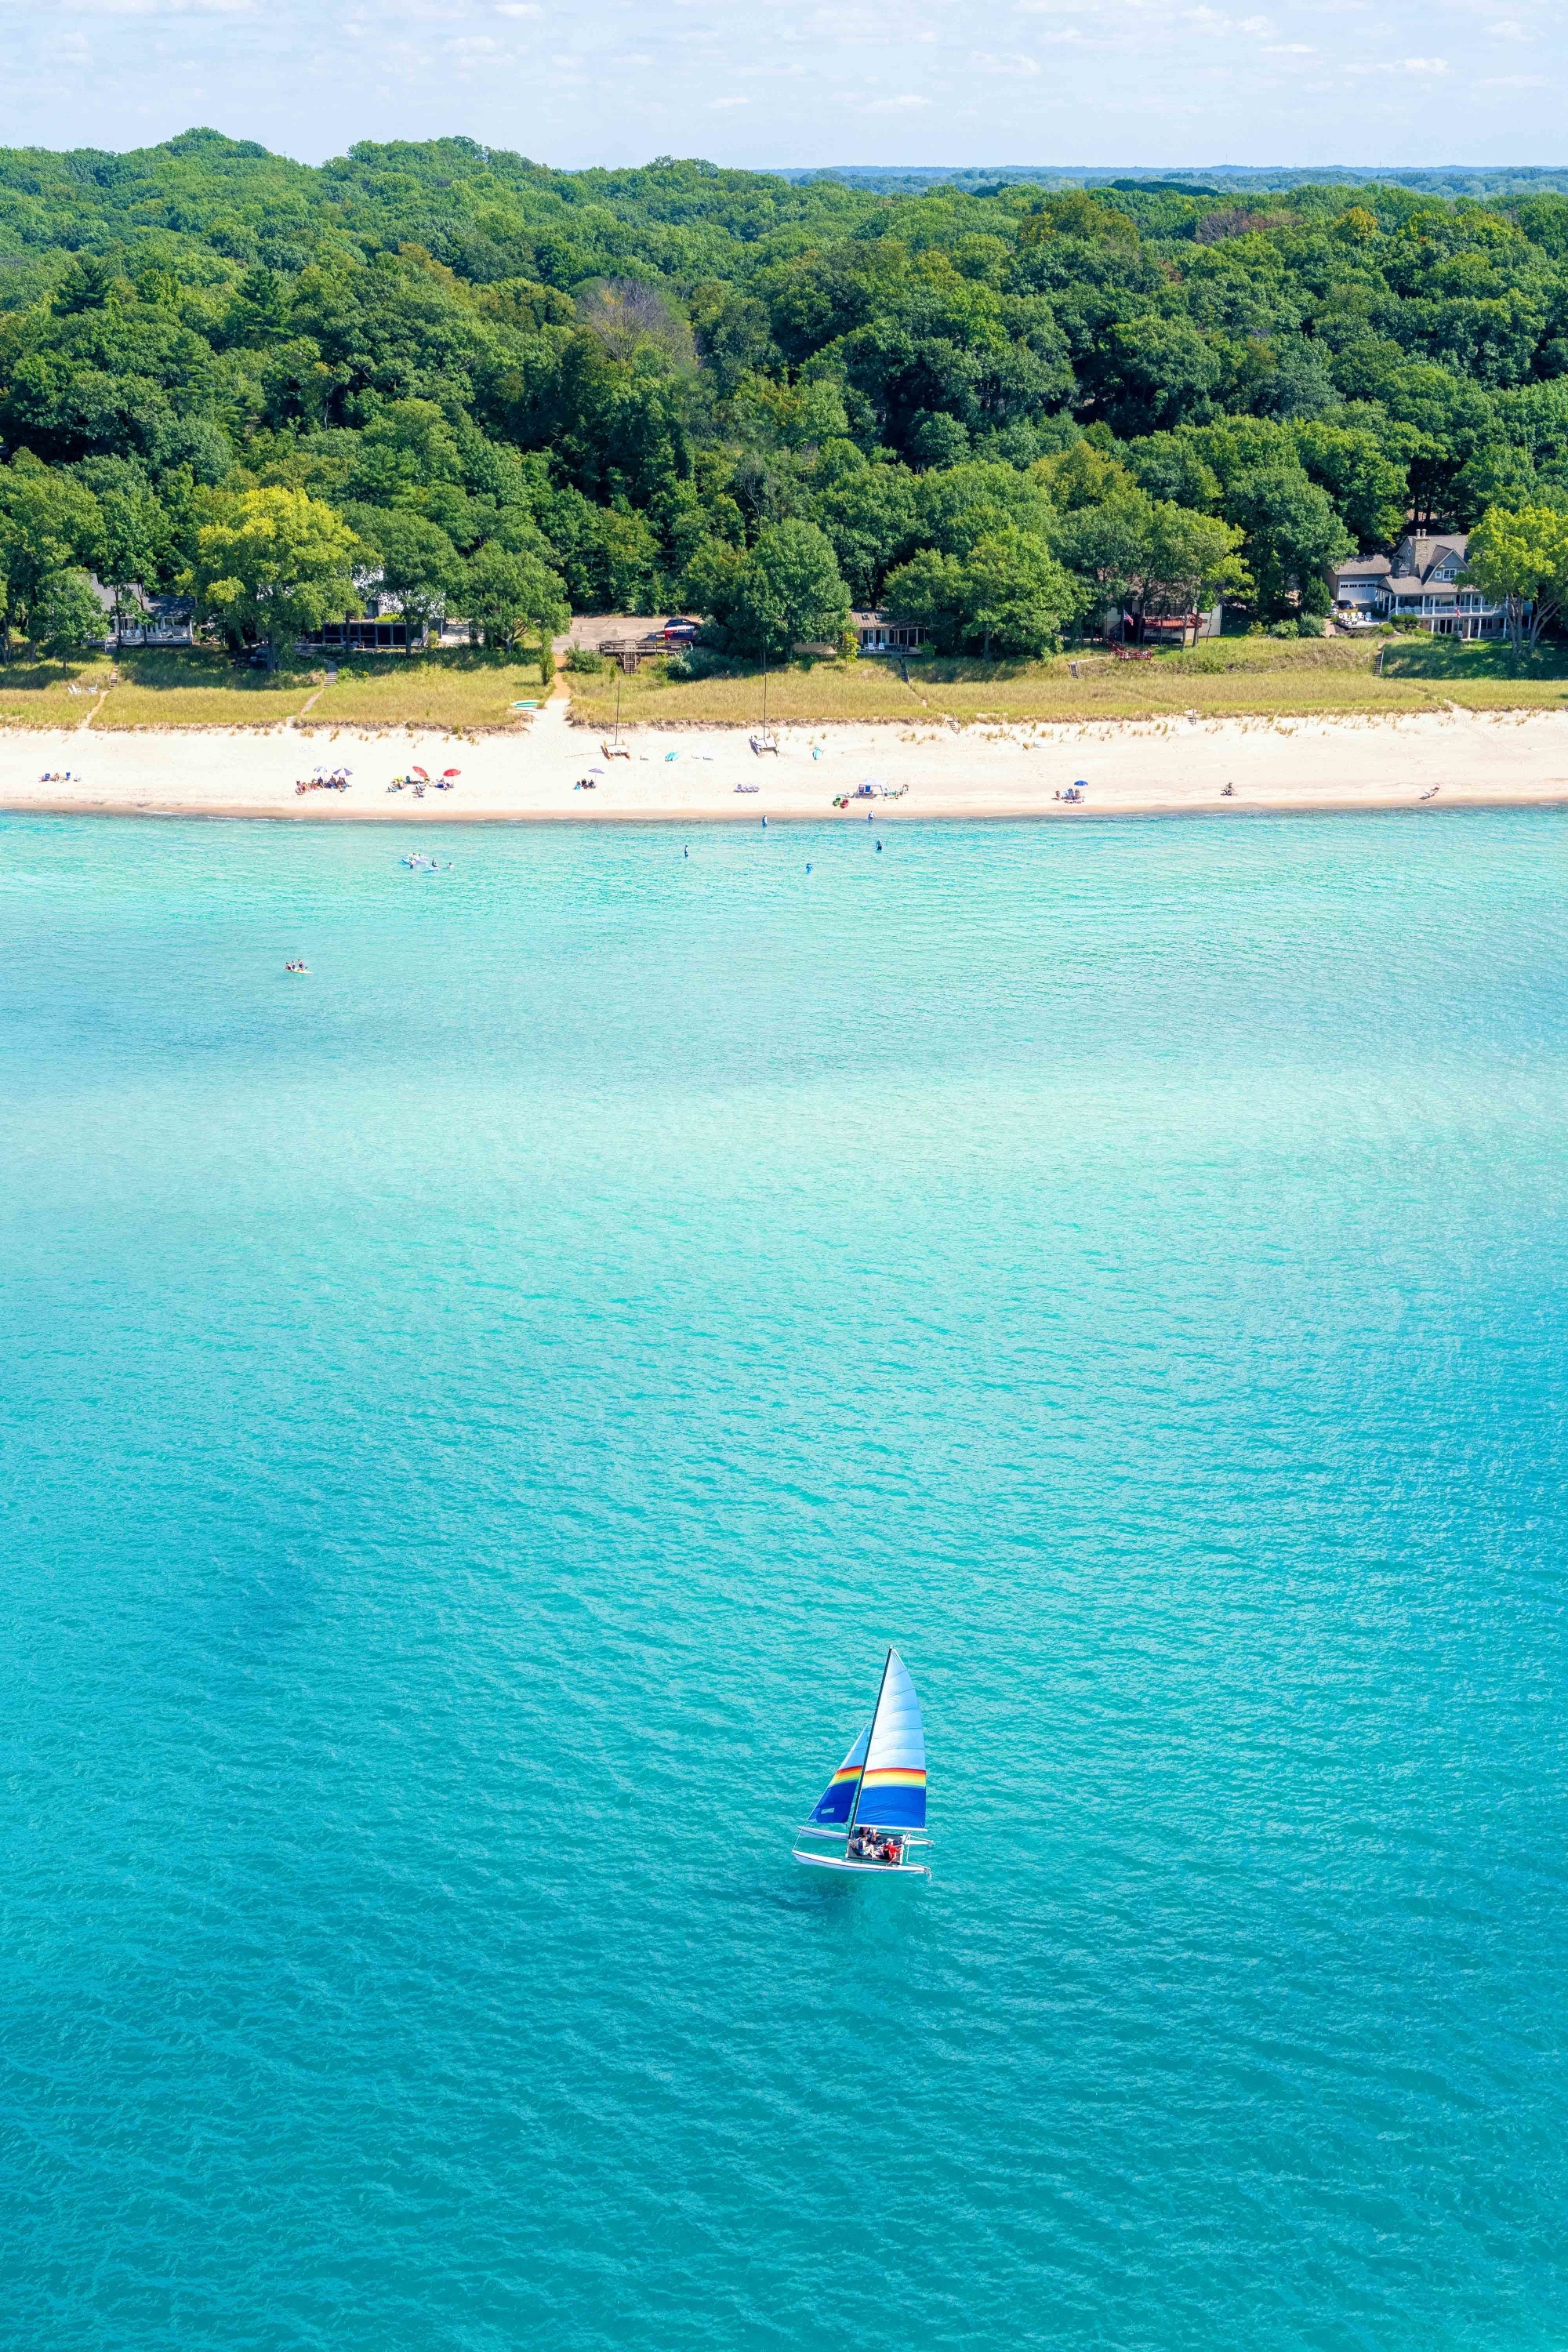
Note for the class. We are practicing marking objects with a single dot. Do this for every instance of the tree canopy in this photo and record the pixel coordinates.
(638, 388)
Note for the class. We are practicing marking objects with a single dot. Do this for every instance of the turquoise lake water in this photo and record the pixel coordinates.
(473, 1420)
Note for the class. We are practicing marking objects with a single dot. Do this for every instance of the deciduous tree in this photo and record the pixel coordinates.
(273, 563)
(1518, 557)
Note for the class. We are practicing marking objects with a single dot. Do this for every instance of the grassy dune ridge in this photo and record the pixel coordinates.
(473, 691)
(465, 689)
(1228, 677)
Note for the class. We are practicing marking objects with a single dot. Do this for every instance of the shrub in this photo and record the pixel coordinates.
(585, 661)
(699, 661)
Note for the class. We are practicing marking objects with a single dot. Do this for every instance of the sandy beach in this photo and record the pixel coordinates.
(697, 775)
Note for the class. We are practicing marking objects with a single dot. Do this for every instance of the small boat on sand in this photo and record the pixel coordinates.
(874, 1808)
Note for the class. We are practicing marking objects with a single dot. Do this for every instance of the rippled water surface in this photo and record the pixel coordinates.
(473, 1419)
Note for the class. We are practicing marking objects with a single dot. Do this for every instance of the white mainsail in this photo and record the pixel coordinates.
(892, 1794)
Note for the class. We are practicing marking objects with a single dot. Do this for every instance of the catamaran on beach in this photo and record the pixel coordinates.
(874, 1808)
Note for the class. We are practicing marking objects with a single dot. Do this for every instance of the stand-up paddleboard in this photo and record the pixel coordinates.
(874, 1808)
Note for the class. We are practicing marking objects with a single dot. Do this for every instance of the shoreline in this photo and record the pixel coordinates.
(1132, 768)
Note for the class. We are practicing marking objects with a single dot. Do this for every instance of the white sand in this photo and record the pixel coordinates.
(1130, 768)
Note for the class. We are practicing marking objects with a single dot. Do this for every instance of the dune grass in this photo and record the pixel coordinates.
(1239, 678)
(38, 694)
(200, 686)
(469, 690)
(1482, 676)
(465, 688)
(1250, 677)
(800, 695)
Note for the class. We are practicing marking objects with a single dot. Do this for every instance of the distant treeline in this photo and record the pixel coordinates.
(456, 376)
(1432, 180)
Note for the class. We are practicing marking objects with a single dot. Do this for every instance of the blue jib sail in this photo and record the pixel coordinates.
(837, 1799)
(893, 1780)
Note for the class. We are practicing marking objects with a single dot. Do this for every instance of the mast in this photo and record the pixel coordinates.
(871, 1736)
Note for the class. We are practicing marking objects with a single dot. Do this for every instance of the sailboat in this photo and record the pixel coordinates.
(766, 740)
(874, 1808)
(611, 747)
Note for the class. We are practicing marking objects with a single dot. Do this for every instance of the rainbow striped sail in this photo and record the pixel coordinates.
(892, 1791)
(881, 1783)
(836, 1801)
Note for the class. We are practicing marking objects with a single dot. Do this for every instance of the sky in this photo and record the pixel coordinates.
(758, 83)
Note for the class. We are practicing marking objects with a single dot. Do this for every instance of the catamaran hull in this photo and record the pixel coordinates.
(865, 1869)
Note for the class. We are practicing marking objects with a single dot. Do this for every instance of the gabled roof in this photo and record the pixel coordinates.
(1423, 554)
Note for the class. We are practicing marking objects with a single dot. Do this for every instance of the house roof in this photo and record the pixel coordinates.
(1421, 556)
(1363, 567)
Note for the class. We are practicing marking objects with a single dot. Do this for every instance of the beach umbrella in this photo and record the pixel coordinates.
(420, 773)
(451, 772)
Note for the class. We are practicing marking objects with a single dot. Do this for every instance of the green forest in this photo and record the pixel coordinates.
(487, 389)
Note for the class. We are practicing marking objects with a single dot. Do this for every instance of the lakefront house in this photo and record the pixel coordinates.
(1419, 582)
(876, 632)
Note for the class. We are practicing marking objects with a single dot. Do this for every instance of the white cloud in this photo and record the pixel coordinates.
(1403, 66)
(1168, 78)
(157, 7)
(716, 103)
